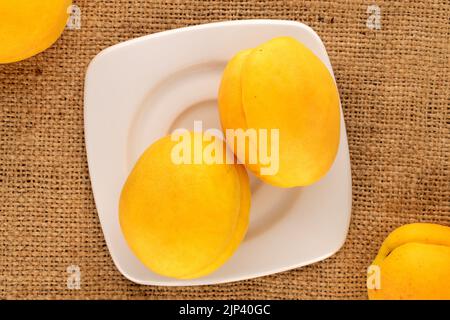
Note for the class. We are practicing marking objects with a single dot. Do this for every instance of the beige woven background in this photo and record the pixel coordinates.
(394, 86)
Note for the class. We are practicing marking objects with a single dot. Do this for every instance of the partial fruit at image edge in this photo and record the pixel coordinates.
(414, 263)
(29, 27)
(283, 85)
(183, 220)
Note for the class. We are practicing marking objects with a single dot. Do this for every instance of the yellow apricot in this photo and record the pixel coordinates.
(183, 220)
(414, 263)
(29, 27)
(282, 85)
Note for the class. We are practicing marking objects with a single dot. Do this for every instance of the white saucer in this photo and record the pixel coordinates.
(140, 90)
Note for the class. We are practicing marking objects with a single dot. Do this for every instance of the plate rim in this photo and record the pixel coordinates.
(212, 25)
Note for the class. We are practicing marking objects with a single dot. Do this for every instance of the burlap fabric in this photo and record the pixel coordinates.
(394, 85)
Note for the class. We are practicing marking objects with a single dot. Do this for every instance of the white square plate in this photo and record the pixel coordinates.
(140, 90)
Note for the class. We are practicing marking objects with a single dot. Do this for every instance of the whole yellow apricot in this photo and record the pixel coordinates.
(283, 85)
(183, 220)
(413, 263)
(28, 27)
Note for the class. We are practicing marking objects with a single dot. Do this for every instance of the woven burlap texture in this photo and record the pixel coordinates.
(394, 86)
